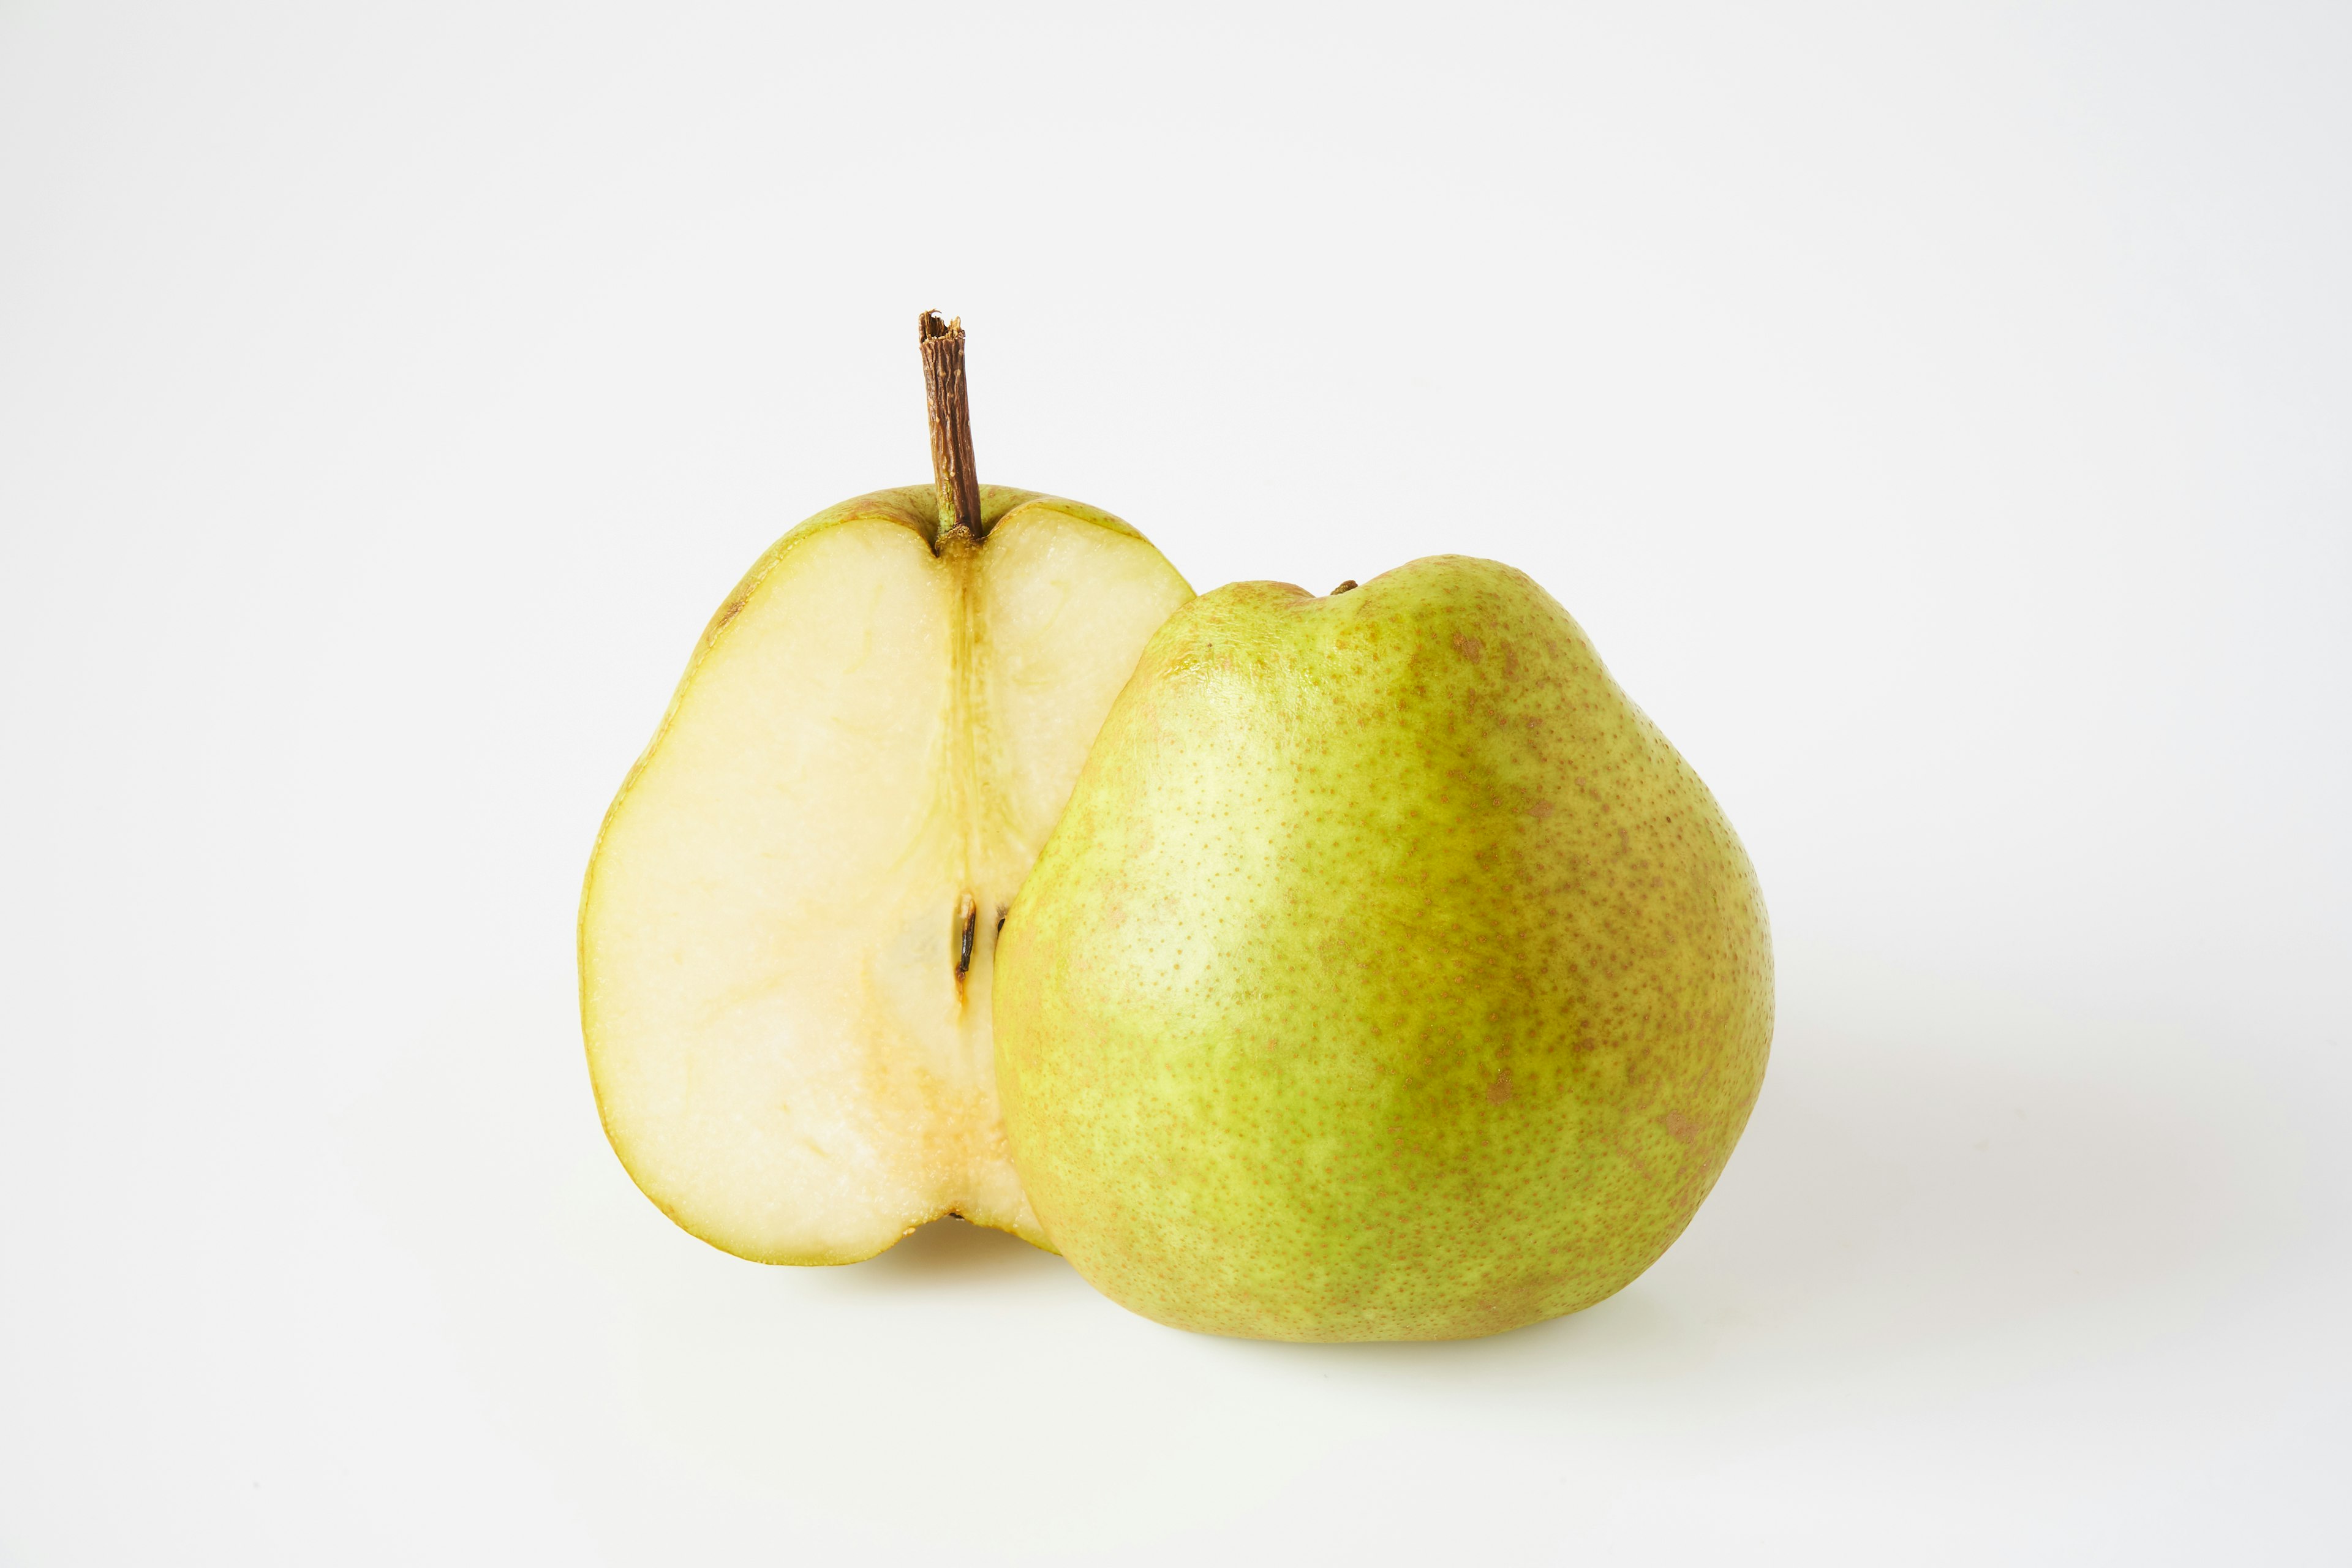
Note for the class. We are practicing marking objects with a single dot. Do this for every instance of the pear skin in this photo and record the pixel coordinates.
(1389, 976)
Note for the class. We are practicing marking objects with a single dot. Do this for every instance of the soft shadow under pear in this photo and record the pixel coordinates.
(949, 1252)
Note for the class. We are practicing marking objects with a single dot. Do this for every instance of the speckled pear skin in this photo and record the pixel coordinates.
(1388, 977)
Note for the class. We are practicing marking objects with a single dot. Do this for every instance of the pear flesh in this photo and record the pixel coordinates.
(1389, 976)
(788, 932)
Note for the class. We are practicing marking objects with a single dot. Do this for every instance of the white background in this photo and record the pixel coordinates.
(1941, 417)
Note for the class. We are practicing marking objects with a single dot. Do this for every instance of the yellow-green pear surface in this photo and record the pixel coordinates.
(789, 928)
(1388, 976)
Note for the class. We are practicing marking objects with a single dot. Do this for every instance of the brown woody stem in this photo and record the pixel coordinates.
(950, 405)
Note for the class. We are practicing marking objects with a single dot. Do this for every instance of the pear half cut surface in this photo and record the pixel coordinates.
(789, 929)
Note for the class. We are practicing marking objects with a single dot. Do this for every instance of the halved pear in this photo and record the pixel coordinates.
(789, 926)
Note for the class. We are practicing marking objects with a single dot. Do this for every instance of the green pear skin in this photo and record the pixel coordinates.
(1388, 977)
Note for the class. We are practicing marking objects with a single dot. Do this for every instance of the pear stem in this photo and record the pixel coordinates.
(950, 408)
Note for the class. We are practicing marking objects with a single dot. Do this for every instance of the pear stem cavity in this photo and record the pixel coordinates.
(950, 398)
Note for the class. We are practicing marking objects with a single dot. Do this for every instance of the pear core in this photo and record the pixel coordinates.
(788, 930)
(1388, 976)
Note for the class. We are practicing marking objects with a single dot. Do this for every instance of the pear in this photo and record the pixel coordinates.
(789, 924)
(1388, 976)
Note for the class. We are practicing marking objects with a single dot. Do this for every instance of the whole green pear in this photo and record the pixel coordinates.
(1388, 977)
